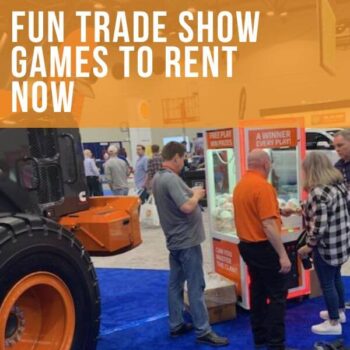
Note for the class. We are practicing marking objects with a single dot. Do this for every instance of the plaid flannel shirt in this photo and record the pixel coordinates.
(154, 164)
(327, 222)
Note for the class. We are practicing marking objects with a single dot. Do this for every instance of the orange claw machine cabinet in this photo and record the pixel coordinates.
(286, 147)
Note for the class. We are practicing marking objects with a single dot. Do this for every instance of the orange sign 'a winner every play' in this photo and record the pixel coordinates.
(272, 138)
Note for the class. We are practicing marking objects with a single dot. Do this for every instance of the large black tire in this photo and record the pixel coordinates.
(30, 244)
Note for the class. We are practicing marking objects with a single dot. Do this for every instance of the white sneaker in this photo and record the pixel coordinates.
(342, 317)
(326, 328)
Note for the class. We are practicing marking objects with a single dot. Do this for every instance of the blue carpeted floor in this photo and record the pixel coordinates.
(134, 316)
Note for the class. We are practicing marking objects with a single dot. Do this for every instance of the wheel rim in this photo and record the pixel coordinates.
(38, 314)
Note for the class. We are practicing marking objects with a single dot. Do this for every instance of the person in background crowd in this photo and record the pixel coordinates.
(198, 144)
(154, 164)
(140, 173)
(327, 223)
(92, 174)
(123, 156)
(198, 160)
(181, 220)
(116, 172)
(258, 224)
(342, 146)
(186, 166)
(105, 156)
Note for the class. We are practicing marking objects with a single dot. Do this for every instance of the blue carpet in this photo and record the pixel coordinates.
(134, 316)
(107, 192)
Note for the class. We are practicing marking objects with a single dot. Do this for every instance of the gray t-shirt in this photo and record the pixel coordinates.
(181, 230)
(116, 171)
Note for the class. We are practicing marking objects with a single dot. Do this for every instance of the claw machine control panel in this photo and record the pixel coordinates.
(225, 166)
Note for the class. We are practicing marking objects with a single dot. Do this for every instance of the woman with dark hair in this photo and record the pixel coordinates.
(327, 223)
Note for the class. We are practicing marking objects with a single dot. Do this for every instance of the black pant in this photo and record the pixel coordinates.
(94, 186)
(267, 318)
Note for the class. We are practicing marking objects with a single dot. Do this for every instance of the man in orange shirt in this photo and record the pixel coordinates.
(258, 224)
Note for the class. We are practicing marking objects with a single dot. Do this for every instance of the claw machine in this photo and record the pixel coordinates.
(222, 172)
(286, 147)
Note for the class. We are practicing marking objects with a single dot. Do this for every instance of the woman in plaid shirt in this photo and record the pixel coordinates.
(327, 224)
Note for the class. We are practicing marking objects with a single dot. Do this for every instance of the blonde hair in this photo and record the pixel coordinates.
(319, 171)
(87, 153)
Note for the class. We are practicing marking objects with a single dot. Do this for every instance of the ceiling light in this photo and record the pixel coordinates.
(284, 14)
(99, 6)
(270, 13)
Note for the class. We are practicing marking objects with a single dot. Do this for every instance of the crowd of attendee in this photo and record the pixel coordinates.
(258, 222)
(116, 174)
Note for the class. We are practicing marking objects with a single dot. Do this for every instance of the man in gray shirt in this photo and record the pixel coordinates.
(181, 220)
(116, 171)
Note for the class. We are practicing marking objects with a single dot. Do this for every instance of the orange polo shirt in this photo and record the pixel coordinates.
(254, 200)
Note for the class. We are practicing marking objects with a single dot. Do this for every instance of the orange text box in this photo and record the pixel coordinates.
(227, 260)
(220, 138)
(272, 138)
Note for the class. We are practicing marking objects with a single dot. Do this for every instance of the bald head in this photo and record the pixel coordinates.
(260, 161)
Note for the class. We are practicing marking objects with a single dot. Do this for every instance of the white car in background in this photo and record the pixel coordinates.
(322, 140)
(284, 161)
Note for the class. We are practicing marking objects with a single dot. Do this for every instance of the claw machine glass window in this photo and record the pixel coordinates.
(221, 172)
(221, 167)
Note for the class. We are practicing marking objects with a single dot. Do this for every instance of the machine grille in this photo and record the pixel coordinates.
(51, 185)
(43, 143)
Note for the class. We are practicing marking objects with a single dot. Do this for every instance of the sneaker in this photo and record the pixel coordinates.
(347, 305)
(342, 317)
(327, 328)
(213, 339)
(185, 328)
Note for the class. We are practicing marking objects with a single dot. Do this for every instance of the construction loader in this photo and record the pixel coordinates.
(49, 294)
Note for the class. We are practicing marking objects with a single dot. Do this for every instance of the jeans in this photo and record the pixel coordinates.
(186, 265)
(331, 284)
(267, 319)
(121, 191)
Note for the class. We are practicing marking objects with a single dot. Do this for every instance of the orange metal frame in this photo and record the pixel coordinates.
(109, 225)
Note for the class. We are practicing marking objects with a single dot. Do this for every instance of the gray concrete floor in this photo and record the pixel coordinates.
(152, 253)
